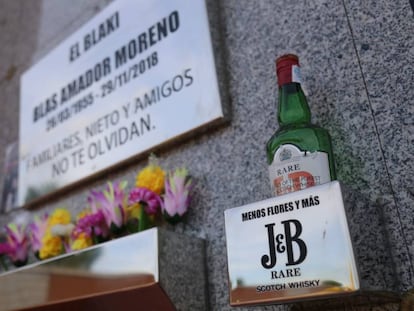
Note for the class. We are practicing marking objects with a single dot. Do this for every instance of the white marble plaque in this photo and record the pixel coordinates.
(137, 75)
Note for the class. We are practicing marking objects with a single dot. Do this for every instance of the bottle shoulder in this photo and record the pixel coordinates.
(307, 137)
(300, 131)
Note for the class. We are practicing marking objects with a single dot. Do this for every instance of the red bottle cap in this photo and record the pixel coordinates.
(284, 65)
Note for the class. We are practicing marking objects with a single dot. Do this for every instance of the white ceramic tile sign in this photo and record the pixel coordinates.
(138, 74)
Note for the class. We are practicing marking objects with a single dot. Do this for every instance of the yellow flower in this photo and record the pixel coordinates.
(60, 216)
(151, 177)
(81, 242)
(51, 246)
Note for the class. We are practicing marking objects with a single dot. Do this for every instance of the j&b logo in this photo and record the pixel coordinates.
(288, 242)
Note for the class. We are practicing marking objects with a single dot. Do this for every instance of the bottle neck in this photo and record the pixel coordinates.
(293, 107)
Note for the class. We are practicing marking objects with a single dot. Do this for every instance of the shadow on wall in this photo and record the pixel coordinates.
(19, 24)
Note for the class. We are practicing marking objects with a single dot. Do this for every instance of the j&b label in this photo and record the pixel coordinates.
(288, 243)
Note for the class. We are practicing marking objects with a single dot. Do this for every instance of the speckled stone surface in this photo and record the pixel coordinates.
(184, 279)
(357, 66)
(383, 34)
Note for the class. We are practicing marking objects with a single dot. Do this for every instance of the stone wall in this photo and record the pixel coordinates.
(357, 62)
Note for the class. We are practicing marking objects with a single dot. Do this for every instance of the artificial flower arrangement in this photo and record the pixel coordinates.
(113, 212)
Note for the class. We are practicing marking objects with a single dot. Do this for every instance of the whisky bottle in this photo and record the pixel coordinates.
(299, 153)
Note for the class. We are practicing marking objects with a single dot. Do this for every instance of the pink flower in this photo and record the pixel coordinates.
(5, 248)
(18, 243)
(148, 198)
(178, 187)
(92, 224)
(37, 230)
(111, 202)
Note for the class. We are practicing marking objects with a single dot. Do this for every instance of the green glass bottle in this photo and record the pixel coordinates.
(299, 153)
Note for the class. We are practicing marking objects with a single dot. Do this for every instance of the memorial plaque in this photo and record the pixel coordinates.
(137, 75)
(292, 247)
